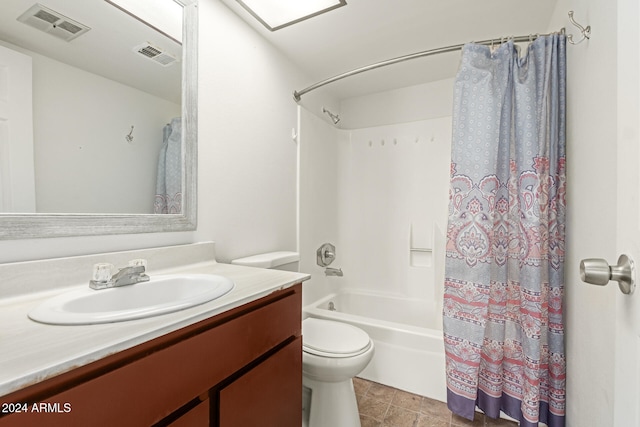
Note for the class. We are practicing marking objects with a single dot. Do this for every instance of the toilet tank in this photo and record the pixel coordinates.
(282, 260)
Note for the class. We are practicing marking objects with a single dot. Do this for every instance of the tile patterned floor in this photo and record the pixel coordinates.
(382, 406)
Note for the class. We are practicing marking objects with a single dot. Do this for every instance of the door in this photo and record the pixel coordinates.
(627, 350)
(17, 181)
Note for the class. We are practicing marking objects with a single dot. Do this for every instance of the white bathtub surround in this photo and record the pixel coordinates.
(22, 360)
(392, 193)
(380, 195)
(406, 333)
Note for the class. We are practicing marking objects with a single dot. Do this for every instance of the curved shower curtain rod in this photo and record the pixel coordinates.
(297, 95)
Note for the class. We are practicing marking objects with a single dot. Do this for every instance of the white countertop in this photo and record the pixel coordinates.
(31, 352)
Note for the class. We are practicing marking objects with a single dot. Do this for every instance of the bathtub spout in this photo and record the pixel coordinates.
(333, 272)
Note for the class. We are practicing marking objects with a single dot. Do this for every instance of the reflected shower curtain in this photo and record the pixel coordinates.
(504, 268)
(168, 198)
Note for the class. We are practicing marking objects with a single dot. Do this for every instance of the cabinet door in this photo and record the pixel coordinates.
(269, 395)
(196, 417)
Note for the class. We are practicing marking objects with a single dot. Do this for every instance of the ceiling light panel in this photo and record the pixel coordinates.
(164, 16)
(276, 14)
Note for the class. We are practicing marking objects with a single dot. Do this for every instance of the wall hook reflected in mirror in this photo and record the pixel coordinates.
(129, 137)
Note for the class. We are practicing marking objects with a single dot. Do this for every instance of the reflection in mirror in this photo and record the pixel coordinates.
(98, 126)
(100, 103)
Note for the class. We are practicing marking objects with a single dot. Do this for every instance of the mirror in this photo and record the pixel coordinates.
(89, 162)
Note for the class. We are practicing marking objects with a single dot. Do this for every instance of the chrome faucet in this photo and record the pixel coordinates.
(125, 276)
(333, 272)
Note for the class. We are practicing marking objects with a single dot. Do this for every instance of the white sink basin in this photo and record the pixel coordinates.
(160, 295)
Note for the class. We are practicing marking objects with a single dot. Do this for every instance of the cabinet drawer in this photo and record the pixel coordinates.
(159, 382)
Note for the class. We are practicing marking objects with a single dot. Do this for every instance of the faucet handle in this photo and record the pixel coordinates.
(138, 263)
(103, 272)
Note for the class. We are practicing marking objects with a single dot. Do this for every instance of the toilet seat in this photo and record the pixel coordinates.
(327, 338)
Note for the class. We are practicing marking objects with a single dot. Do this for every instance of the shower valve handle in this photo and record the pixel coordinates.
(325, 254)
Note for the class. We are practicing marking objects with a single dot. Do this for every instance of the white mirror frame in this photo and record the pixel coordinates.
(28, 226)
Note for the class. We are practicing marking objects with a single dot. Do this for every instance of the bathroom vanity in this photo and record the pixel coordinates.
(235, 361)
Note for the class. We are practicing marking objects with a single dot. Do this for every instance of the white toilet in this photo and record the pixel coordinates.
(332, 354)
(282, 260)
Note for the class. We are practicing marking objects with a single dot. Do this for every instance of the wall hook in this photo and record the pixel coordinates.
(129, 137)
(586, 31)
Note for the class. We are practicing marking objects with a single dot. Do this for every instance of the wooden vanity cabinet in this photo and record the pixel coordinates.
(241, 368)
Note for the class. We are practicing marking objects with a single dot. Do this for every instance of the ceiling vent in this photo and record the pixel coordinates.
(155, 54)
(52, 22)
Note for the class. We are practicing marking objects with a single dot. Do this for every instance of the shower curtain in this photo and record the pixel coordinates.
(168, 198)
(504, 268)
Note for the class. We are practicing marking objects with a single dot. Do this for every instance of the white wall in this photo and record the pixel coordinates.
(247, 156)
(591, 227)
(409, 104)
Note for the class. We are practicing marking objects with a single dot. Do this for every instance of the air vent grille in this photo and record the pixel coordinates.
(46, 16)
(155, 54)
(72, 28)
(150, 52)
(52, 22)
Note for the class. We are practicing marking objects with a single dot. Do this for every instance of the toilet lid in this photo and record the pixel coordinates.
(329, 338)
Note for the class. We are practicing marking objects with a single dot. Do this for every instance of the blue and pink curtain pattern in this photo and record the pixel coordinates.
(504, 271)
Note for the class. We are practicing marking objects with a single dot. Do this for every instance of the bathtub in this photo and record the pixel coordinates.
(407, 334)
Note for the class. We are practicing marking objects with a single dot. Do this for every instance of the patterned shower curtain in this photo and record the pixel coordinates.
(504, 270)
(168, 198)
